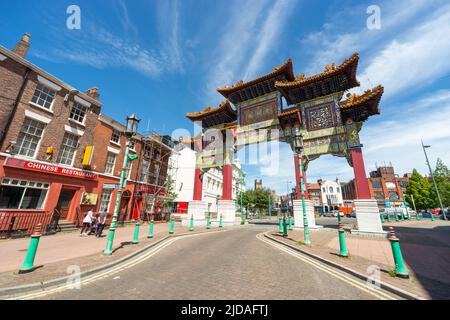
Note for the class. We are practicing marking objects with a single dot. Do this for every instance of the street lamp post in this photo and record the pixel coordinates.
(298, 148)
(424, 147)
(132, 125)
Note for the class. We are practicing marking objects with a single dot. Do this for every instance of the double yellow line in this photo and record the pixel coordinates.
(337, 274)
(110, 272)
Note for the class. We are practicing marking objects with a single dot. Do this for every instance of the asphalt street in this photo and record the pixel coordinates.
(235, 264)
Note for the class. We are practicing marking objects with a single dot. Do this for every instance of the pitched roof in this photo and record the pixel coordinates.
(224, 111)
(334, 79)
(264, 83)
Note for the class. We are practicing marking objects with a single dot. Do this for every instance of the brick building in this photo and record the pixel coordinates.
(384, 184)
(55, 147)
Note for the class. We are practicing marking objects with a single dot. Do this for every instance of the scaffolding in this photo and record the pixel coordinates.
(155, 172)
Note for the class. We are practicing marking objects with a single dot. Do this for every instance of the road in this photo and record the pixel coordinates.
(235, 264)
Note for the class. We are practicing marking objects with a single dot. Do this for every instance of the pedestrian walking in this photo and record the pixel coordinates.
(101, 222)
(87, 223)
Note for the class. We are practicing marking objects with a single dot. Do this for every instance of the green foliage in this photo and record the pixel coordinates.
(442, 177)
(257, 199)
(423, 190)
(420, 189)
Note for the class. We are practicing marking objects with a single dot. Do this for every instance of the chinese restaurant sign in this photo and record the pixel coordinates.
(48, 168)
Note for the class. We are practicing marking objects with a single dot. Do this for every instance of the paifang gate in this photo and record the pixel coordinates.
(282, 106)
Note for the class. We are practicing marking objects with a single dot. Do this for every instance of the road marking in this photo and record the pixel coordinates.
(340, 275)
(114, 270)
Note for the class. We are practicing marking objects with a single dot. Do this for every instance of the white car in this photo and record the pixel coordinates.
(335, 213)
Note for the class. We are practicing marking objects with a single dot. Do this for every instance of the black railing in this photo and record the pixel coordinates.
(53, 226)
(22, 224)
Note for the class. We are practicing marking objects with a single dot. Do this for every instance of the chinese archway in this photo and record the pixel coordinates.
(273, 107)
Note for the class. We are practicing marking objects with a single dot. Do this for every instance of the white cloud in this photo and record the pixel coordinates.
(416, 59)
(236, 57)
(268, 34)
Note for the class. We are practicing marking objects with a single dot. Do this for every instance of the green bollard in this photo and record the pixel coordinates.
(280, 223)
(400, 268)
(417, 217)
(136, 233)
(388, 217)
(432, 217)
(208, 223)
(382, 218)
(28, 264)
(172, 226)
(150, 230)
(220, 222)
(395, 216)
(402, 216)
(343, 252)
(285, 232)
(290, 224)
(191, 223)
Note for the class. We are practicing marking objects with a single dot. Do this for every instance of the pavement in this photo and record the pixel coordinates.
(425, 248)
(57, 254)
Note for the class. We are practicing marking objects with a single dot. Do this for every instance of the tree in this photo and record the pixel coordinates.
(258, 199)
(442, 177)
(421, 189)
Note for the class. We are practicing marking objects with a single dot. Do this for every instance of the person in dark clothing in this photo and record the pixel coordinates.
(101, 222)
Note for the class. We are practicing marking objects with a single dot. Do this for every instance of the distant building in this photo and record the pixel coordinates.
(384, 184)
(331, 194)
(315, 195)
(258, 184)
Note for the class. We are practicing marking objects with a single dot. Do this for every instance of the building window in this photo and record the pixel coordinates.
(144, 171)
(68, 148)
(148, 151)
(390, 185)
(128, 170)
(29, 137)
(43, 96)
(133, 144)
(393, 195)
(379, 195)
(20, 194)
(110, 163)
(324, 190)
(115, 137)
(78, 112)
(337, 190)
(105, 200)
(376, 185)
(331, 190)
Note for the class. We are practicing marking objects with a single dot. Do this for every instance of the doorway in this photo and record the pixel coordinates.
(64, 201)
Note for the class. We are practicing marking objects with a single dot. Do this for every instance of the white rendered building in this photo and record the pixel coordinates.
(212, 181)
(331, 195)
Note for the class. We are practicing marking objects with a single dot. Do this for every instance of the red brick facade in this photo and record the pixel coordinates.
(40, 141)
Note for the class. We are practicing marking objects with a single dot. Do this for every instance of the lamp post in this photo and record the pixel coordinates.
(132, 125)
(424, 147)
(298, 149)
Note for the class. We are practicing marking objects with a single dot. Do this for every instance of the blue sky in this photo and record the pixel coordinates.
(162, 59)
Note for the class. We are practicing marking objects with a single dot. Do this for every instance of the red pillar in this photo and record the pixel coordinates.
(297, 180)
(198, 185)
(362, 185)
(227, 185)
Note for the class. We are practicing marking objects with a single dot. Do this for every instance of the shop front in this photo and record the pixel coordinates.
(37, 190)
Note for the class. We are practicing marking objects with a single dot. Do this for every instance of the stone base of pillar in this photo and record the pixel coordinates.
(298, 215)
(227, 208)
(197, 209)
(368, 219)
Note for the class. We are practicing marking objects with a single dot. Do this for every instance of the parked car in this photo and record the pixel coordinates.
(335, 213)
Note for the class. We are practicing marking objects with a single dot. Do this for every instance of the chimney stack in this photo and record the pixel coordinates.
(93, 93)
(22, 47)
